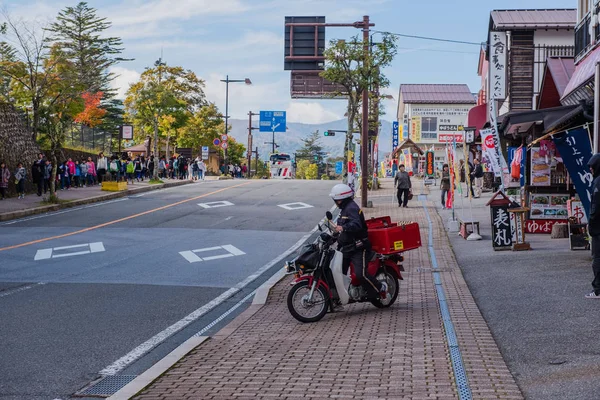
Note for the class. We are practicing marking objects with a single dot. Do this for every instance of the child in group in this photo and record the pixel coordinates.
(130, 168)
(83, 168)
(20, 175)
(77, 175)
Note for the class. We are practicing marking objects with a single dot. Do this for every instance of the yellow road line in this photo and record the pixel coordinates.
(91, 228)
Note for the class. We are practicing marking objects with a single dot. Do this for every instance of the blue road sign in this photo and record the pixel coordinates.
(272, 121)
(395, 134)
(339, 166)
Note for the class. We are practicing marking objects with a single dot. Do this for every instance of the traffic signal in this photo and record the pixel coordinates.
(316, 158)
(329, 133)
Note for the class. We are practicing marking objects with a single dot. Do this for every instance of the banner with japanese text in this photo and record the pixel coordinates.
(575, 149)
(491, 152)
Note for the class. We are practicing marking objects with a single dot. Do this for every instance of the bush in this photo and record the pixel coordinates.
(324, 177)
(312, 172)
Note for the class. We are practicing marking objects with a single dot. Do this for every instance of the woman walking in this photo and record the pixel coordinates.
(445, 184)
(20, 174)
(4, 178)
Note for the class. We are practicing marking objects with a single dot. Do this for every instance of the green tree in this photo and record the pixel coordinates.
(347, 64)
(79, 35)
(312, 150)
(202, 128)
(163, 90)
(235, 151)
(301, 169)
(312, 172)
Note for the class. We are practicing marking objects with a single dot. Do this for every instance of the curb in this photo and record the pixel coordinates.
(262, 293)
(150, 375)
(44, 209)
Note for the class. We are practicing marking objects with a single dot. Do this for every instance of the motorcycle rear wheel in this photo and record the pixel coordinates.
(393, 289)
(301, 309)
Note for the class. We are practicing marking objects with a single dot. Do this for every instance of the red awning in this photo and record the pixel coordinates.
(584, 71)
(477, 117)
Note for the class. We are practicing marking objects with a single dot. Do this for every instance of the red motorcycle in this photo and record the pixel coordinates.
(320, 282)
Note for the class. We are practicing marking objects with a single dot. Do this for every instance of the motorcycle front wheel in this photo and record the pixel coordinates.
(303, 309)
(393, 289)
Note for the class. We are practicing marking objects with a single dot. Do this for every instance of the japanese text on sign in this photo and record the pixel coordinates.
(497, 72)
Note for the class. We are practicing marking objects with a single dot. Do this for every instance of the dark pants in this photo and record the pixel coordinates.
(21, 186)
(596, 263)
(2, 192)
(359, 264)
(403, 193)
(40, 185)
(444, 194)
(46, 185)
(101, 173)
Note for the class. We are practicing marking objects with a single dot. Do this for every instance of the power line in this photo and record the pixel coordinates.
(430, 38)
(438, 51)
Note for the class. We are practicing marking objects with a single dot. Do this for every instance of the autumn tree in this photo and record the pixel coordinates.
(92, 114)
(163, 90)
(202, 128)
(347, 64)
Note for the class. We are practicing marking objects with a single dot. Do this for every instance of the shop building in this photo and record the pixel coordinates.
(434, 115)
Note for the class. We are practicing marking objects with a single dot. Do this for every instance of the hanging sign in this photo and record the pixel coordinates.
(429, 163)
(497, 54)
(127, 132)
(491, 151)
(576, 150)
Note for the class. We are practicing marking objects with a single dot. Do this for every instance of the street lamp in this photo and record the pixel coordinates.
(227, 81)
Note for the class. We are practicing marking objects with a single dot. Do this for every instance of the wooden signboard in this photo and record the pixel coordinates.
(501, 227)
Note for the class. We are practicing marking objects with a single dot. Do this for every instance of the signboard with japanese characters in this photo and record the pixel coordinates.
(576, 150)
(395, 139)
(416, 129)
(429, 164)
(497, 52)
(539, 226)
(577, 211)
(491, 151)
(540, 169)
(441, 124)
(501, 228)
(548, 206)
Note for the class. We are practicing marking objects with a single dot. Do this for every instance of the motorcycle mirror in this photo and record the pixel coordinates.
(329, 215)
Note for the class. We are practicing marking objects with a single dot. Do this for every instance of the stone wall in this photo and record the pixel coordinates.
(16, 143)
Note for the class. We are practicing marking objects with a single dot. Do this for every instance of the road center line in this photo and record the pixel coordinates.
(91, 228)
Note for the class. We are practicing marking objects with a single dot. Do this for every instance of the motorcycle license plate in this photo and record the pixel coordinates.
(399, 245)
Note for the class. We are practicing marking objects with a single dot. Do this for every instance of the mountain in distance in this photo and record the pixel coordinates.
(291, 141)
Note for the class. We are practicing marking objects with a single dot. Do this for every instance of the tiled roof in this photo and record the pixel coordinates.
(437, 94)
(562, 70)
(556, 18)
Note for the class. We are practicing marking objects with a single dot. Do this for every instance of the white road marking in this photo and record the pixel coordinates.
(228, 218)
(143, 348)
(51, 214)
(192, 257)
(295, 206)
(45, 254)
(20, 289)
(216, 204)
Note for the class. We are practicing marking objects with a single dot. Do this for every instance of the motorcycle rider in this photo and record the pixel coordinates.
(353, 240)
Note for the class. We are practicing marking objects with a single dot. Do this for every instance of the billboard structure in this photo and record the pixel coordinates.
(303, 49)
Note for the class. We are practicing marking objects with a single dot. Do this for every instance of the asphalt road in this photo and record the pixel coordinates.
(534, 304)
(81, 288)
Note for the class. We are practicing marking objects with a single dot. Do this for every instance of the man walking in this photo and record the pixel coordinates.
(403, 185)
(594, 225)
(476, 177)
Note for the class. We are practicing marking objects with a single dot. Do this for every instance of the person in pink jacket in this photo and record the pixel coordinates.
(71, 166)
(91, 171)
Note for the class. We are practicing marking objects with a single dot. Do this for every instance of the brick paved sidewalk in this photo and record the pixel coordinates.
(361, 353)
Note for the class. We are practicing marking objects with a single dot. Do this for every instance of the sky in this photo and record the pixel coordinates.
(245, 39)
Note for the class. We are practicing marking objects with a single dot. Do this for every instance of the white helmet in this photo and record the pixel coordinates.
(341, 192)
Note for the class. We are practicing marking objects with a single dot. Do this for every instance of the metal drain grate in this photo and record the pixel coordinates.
(108, 386)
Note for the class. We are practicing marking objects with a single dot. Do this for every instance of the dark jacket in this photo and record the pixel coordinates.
(445, 182)
(477, 171)
(402, 180)
(352, 220)
(37, 169)
(594, 221)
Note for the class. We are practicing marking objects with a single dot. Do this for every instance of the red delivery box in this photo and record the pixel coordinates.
(381, 222)
(396, 238)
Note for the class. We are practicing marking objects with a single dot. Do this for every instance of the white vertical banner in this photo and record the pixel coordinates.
(491, 151)
(497, 56)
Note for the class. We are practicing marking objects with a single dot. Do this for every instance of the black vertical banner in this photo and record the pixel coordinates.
(501, 230)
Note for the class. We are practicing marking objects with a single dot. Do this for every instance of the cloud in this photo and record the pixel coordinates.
(125, 77)
(162, 10)
(310, 113)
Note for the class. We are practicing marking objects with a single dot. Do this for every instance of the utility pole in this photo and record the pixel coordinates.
(249, 151)
(364, 150)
